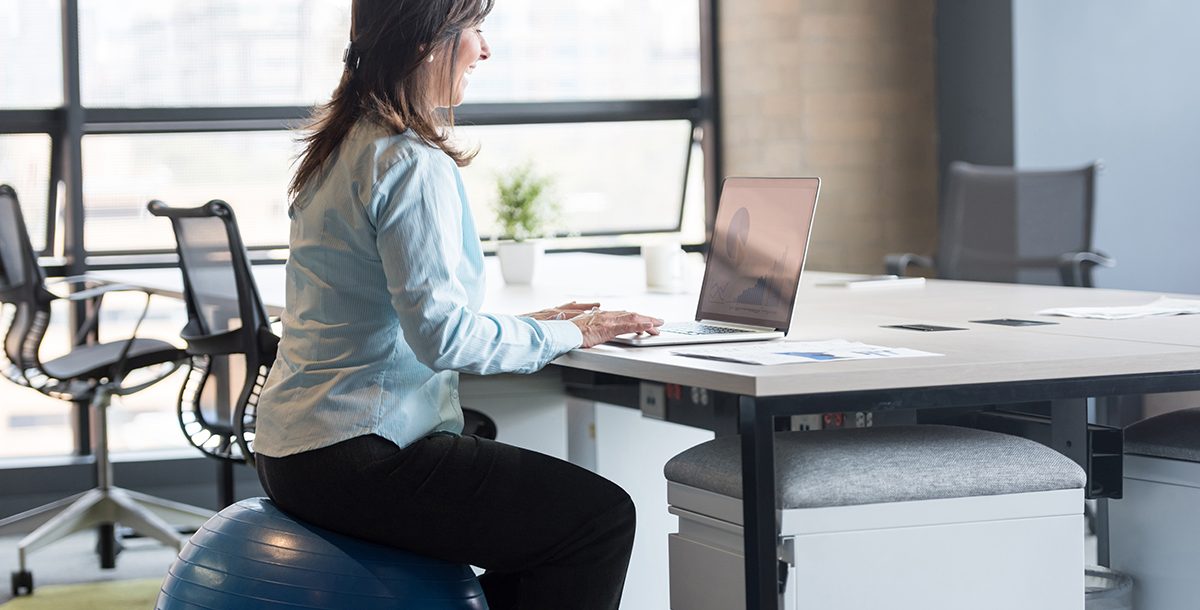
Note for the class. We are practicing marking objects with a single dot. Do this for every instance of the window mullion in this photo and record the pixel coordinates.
(70, 149)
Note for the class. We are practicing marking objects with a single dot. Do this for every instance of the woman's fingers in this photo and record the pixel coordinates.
(562, 312)
(573, 306)
(635, 323)
(601, 326)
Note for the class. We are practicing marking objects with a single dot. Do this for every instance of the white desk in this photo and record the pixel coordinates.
(1070, 361)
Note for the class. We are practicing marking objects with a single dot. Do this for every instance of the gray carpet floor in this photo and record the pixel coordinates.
(74, 560)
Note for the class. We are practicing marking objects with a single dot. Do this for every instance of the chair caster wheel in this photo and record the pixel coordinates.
(22, 583)
(108, 546)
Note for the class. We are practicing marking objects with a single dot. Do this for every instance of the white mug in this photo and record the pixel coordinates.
(664, 266)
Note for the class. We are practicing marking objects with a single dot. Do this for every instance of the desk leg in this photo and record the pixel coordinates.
(756, 427)
(226, 494)
(1069, 429)
(1102, 539)
(1069, 436)
(221, 369)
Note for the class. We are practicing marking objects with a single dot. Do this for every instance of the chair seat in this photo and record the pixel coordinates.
(98, 361)
(877, 465)
(1174, 436)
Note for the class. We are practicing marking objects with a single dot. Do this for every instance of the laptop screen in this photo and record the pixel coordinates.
(758, 248)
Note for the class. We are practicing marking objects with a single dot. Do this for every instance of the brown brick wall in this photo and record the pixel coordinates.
(844, 90)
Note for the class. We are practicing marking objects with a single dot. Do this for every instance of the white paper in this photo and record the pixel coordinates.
(793, 352)
(875, 281)
(1164, 306)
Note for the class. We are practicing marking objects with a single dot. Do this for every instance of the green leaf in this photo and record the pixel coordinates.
(523, 206)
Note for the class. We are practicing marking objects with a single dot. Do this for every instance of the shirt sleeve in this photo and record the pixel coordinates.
(418, 222)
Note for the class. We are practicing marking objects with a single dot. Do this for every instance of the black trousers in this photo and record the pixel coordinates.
(550, 534)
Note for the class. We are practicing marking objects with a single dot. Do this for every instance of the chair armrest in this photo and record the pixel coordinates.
(898, 264)
(1076, 267)
(74, 279)
(1098, 258)
(91, 293)
(95, 295)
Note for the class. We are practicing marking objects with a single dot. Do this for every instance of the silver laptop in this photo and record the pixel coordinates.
(753, 269)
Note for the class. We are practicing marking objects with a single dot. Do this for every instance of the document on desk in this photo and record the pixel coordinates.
(875, 281)
(793, 352)
(1164, 306)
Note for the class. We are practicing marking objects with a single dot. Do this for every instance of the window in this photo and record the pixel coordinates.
(587, 50)
(121, 173)
(603, 183)
(25, 166)
(31, 31)
(155, 53)
(191, 100)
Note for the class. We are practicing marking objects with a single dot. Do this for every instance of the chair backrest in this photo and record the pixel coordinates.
(228, 332)
(1000, 224)
(23, 295)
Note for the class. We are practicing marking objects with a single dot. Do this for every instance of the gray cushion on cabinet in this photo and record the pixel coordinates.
(1174, 435)
(891, 464)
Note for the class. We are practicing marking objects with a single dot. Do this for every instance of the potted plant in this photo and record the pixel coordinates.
(523, 210)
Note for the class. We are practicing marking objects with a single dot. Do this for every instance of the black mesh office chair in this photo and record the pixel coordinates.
(1000, 224)
(228, 334)
(88, 373)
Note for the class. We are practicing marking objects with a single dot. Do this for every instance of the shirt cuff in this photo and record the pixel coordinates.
(563, 334)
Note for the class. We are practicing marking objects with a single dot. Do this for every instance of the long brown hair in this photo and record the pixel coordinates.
(382, 82)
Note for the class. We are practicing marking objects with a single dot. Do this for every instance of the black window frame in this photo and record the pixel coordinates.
(68, 124)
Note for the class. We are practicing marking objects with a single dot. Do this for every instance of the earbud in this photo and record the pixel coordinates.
(430, 58)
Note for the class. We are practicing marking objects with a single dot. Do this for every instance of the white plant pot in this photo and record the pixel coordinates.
(519, 260)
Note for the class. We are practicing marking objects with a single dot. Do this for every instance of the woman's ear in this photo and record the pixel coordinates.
(425, 49)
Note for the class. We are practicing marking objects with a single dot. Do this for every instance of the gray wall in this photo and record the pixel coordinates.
(1117, 80)
(974, 82)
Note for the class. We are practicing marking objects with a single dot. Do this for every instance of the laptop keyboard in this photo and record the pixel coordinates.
(696, 328)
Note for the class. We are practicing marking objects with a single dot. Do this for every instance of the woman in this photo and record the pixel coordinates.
(359, 425)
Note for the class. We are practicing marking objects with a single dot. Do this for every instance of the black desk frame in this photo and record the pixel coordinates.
(757, 417)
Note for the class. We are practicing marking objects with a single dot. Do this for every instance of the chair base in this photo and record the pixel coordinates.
(146, 515)
(985, 553)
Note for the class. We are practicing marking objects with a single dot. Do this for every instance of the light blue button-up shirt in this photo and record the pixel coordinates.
(384, 284)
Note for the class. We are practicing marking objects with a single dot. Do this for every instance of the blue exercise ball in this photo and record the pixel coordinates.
(253, 555)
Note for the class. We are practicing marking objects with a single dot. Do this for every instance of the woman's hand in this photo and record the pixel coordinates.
(600, 326)
(565, 311)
